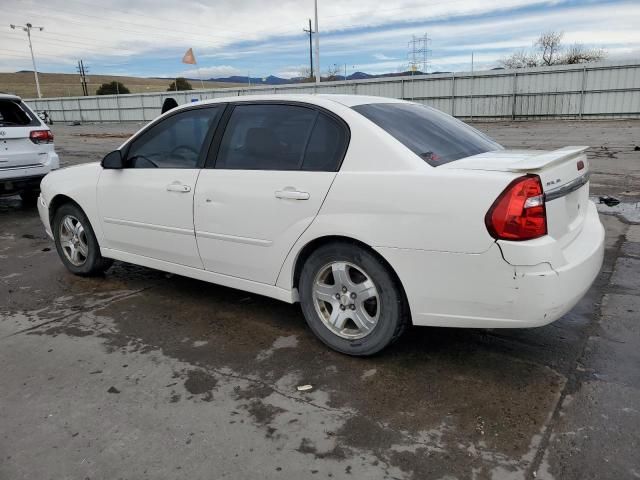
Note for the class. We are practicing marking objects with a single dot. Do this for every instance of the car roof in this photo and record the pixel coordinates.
(321, 100)
(8, 96)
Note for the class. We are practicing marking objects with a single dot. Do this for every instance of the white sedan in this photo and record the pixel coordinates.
(373, 213)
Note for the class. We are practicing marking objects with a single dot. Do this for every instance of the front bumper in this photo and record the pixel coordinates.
(484, 291)
(43, 211)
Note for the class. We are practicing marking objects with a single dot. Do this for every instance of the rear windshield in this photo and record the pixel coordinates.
(13, 113)
(434, 136)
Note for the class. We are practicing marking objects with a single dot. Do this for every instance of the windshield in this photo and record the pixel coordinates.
(434, 136)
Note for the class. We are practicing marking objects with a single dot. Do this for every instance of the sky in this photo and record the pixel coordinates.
(265, 37)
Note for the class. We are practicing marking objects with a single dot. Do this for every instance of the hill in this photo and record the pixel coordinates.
(68, 85)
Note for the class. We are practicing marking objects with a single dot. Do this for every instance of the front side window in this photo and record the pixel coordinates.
(434, 136)
(175, 142)
(266, 137)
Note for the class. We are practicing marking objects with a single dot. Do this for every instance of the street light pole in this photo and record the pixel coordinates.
(27, 28)
(317, 43)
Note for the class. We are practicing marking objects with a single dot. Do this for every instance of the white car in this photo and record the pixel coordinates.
(26, 149)
(373, 213)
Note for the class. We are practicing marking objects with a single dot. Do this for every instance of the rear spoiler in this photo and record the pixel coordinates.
(546, 159)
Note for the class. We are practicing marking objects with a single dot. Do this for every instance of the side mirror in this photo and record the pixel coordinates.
(113, 160)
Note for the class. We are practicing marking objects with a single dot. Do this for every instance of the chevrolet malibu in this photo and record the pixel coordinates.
(373, 213)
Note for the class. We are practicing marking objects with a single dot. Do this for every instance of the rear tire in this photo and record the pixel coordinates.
(351, 300)
(76, 242)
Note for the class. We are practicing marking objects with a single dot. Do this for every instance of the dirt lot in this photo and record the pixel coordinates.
(143, 374)
(68, 84)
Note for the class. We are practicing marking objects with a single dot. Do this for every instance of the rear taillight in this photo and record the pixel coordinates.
(41, 136)
(519, 212)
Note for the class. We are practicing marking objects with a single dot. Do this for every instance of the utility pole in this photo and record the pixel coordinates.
(27, 28)
(315, 2)
(83, 78)
(471, 97)
(310, 32)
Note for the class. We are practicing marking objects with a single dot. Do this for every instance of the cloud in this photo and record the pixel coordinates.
(212, 72)
(292, 71)
(149, 37)
(382, 56)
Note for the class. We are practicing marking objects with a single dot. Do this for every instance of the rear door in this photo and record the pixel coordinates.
(146, 208)
(16, 148)
(274, 166)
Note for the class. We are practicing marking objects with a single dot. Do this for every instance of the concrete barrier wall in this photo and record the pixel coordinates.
(564, 91)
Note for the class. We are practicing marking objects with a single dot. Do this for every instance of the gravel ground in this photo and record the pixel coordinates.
(143, 374)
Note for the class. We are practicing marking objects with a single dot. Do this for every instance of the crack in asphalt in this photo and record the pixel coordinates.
(573, 379)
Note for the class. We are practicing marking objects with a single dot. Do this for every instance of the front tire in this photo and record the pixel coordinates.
(351, 300)
(76, 242)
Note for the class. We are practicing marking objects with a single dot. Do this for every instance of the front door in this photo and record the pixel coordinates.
(274, 167)
(146, 208)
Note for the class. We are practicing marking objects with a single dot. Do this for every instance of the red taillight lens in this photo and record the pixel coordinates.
(519, 212)
(41, 136)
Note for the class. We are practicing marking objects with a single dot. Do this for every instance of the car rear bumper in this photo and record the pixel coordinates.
(484, 291)
(17, 178)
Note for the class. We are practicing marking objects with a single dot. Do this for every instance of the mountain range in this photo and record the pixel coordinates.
(273, 80)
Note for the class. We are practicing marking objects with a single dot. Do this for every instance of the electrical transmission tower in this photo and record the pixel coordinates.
(418, 53)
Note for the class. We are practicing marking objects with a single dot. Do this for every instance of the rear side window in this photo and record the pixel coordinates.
(434, 136)
(15, 114)
(326, 147)
(282, 137)
(266, 137)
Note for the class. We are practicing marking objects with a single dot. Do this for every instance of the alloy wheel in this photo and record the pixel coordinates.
(73, 240)
(346, 300)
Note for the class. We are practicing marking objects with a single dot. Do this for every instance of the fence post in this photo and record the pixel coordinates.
(79, 108)
(402, 89)
(453, 94)
(584, 83)
(515, 90)
(471, 96)
(99, 109)
(118, 108)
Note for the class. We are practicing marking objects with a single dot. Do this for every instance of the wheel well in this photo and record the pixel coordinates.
(57, 202)
(310, 247)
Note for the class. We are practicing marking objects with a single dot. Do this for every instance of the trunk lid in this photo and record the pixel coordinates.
(564, 174)
(17, 149)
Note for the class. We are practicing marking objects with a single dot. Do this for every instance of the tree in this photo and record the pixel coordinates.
(548, 45)
(181, 83)
(305, 75)
(332, 73)
(578, 53)
(112, 88)
(548, 50)
(519, 59)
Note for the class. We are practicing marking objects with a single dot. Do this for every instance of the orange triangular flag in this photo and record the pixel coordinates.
(189, 57)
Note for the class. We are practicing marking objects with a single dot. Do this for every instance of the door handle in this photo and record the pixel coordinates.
(178, 187)
(292, 194)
